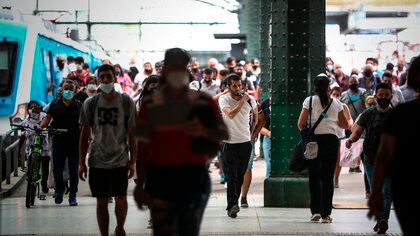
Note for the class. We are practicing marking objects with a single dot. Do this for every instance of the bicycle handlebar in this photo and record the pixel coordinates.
(39, 130)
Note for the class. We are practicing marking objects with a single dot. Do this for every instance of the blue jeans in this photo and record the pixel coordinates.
(267, 155)
(386, 192)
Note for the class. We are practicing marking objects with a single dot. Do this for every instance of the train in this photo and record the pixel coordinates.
(29, 47)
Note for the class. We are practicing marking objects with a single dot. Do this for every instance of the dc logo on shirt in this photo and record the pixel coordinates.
(108, 116)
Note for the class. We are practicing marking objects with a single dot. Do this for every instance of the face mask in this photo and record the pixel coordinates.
(91, 86)
(383, 102)
(117, 73)
(255, 67)
(148, 71)
(33, 115)
(60, 65)
(177, 80)
(194, 70)
(367, 73)
(68, 94)
(354, 87)
(330, 67)
(106, 88)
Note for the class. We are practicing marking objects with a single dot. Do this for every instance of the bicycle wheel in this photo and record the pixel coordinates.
(35, 182)
(32, 174)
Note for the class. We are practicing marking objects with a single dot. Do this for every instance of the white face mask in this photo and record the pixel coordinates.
(177, 80)
(91, 87)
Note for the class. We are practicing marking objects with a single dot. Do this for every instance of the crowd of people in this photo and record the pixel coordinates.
(165, 123)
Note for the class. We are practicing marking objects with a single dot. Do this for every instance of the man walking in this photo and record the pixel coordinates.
(236, 107)
(110, 117)
(372, 121)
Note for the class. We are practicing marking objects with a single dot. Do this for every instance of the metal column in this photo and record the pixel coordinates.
(297, 55)
(265, 18)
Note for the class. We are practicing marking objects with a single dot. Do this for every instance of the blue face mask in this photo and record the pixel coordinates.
(330, 67)
(354, 97)
(68, 94)
(106, 88)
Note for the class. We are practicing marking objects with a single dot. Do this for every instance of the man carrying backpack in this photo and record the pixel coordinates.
(372, 120)
(109, 117)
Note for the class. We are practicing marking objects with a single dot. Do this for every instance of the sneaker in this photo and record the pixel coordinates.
(316, 217)
(244, 203)
(382, 226)
(225, 185)
(327, 220)
(59, 197)
(72, 201)
(233, 212)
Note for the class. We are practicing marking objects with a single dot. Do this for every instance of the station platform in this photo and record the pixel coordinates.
(46, 218)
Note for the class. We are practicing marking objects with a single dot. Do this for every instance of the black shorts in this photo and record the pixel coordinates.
(105, 183)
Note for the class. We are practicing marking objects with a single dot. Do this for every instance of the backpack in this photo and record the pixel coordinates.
(373, 137)
(126, 106)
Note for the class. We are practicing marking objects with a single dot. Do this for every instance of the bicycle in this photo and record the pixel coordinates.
(34, 174)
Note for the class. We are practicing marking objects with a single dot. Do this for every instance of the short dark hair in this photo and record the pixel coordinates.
(383, 86)
(177, 56)
(85, 66)
(230, 60)
(79, 60)
(413, 74)
(106, 67)
(91, 78)
(387, 74)
(31, 103)
(224, 72)
(208, 71)
(70, 59)
(370, 59)
(232, 77)
(390, 66)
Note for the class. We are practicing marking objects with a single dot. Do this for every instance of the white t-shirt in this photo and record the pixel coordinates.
(328, 125)
(29, 135)
(139, 79)
(238, 127)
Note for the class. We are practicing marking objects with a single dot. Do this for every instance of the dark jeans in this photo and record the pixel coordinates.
(321, 174)
(45, 163)
(236, 158)
(63, 149)
(386, 192)
(180, 214)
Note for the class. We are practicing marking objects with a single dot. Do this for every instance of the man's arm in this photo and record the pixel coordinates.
(356, 132)
(254, 120)
(46, 121)
(232, 112)
(133, 151)
(266, 132)
(83, 149)
(259, 127)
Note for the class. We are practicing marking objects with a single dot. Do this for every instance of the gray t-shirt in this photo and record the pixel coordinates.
(109, 148)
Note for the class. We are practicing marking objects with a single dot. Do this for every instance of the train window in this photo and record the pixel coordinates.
(7, 66)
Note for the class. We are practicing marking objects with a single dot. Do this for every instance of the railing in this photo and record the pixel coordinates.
(9, 154)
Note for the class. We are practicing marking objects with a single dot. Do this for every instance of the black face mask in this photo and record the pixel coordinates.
(255, 67)
(194, 70)
(367, 73)
(354, 87)
(60, 65)
(231, 69)
(148, 71)
(383, 102)
(239, 74)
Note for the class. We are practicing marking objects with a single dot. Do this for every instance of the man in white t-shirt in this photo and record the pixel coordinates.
(236, 107)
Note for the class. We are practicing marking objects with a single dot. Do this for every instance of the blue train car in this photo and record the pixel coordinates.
(28, 52)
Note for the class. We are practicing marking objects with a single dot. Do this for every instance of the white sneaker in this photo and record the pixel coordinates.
(226, 185)
(327, 220)
(316, 217)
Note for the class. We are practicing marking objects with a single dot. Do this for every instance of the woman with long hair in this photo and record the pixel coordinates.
(321, 169)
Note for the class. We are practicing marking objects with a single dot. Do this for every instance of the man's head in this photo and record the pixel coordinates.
(383, 95)
(390, 67)
(79, 60)
(239, 69)
(400, 65)
(69, 88)
(231, 64)
(368, 71)
(387, 78)
(106, 75)
(413, 75)
(61, 61)
(255, 63)
(338, 70)
(208, 75)
(234, 83)
(175, 69)
(354, 83)
(33, 107)
(212, 62)
(148, 68)
(224, 74)
(70, 60)
(370, 60)
(91, 83)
